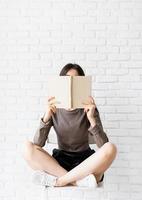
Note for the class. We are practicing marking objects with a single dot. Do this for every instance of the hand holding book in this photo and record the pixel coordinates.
(89, 108)
(51, 108)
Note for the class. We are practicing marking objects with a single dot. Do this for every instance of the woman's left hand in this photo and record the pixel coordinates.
(89, 107)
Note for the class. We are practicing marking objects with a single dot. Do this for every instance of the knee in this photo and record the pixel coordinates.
(110, 149)
(28, 150)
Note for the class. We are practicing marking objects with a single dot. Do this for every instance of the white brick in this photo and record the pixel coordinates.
(116, 42)
(133, 71)
(63, 49)
(136, 195)
(70, 56)
(120, 179)
(95, 41)
(85, 48)
(109, 124)
(117, 101)
(128, 93)
(108, 49)
(45, 56)
(115, 117)
(86, 19)
(120, 57)
(107, 109)
(100, 86)
(136, 57)
(107, 34)
(136, 179)
(105, 93)
(117, 27)
(93, 56)
(136, 188)
(123, 147)
(131, 124)
(130, 49)
(107, 19)
(20, 48)
(130, 140)
(106, 79)
(137, 148)
(117, 72)
(124, 187)
(137, 117)
(40, 48)
(136, 42)
(95, 26)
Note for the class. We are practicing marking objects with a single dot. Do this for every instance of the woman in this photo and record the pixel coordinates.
(74, 162)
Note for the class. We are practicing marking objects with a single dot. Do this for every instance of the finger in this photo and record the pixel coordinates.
(53, 108)
(87, 106)
(92, 100)
(54, 111)
(51, 98)
(85, 103)
(85, 109)
(53, 102)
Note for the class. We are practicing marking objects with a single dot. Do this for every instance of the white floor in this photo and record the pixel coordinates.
(74, 193)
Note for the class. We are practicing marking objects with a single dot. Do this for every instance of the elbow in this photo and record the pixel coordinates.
(102, 141)
(39, 143)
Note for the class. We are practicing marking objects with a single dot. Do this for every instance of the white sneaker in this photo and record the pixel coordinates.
(88, 181)
(43, 178)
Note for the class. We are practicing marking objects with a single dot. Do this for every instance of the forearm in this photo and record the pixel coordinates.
(42, 132)
(46, 117)
(97, 130)
(92, 122)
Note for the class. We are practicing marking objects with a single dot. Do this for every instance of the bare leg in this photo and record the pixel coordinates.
(96, 164)
(39, 159)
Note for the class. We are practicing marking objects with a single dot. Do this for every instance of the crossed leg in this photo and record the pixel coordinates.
(96, 164)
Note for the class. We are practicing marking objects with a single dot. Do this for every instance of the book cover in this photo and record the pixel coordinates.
(69, 91)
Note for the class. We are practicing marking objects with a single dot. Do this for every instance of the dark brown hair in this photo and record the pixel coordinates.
(69, 66)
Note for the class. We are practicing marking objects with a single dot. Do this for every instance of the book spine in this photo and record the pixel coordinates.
(70, 90)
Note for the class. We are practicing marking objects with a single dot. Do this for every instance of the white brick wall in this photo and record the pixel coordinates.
(37, 38)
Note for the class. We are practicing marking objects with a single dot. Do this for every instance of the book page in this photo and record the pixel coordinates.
(59, 86)
(81, 89)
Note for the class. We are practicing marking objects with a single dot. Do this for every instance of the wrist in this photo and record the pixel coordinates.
(92, 122)
(45, 118)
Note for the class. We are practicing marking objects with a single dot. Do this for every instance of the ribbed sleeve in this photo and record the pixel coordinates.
(42, 132)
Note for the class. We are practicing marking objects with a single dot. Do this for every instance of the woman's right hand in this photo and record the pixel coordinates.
(51, 108)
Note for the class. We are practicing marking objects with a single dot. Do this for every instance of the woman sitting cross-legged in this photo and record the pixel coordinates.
(73, 162)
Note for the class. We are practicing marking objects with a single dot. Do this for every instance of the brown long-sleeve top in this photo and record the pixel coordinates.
(73, 129)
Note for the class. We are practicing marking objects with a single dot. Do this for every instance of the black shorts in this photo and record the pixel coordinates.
(69, 160)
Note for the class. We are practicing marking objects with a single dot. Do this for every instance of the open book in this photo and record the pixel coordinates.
(69, 91)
